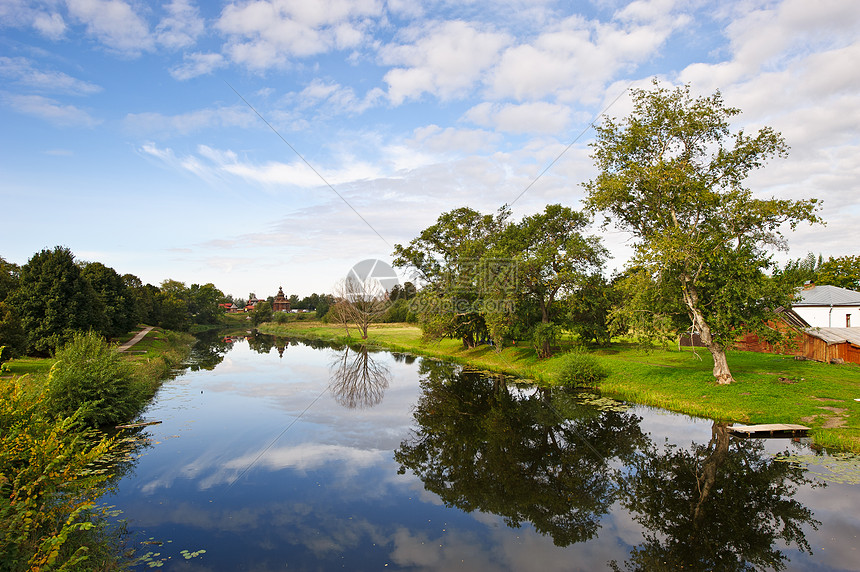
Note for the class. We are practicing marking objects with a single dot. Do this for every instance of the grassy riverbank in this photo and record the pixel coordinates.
(53, 466)
(768, 388)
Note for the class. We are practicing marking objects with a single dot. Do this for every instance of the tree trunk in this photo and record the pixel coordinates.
(721, 366)
(719, 450)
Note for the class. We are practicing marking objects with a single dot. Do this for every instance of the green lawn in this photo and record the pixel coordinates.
(768, 388)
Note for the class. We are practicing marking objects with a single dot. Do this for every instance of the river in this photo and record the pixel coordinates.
(277, 454)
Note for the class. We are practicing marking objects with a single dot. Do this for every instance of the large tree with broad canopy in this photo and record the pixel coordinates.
(672, 173)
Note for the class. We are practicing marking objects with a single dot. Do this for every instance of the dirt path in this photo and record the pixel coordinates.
(139, 336)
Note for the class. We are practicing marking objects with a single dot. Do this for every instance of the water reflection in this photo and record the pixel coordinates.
(548, 458)
(353, 457)
(357, 380)
(482, 446)
(726, 505)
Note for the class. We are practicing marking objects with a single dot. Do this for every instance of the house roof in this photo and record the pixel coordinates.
(827, 296)
(836, 335)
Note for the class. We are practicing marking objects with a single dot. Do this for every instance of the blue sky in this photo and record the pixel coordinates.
(121, 135)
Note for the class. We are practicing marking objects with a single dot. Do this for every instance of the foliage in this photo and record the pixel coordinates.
(49, 481)
(722, 506)
(672, 174)
(483, 446)
(120, 315)
(544, 337)
(203, 303)
(262, 312)
(589, 307)
(8, 278)
(843, 271)
(12, 334)
(577, 369)
(486, 277)
(54, 300)
(92, 377)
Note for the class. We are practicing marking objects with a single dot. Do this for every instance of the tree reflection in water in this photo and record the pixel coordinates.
(547, 458)
(720, 506)
(357, 380)
(481, 446)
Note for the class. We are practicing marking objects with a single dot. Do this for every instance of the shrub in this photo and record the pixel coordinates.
(50, 481)
(577, 368)
(92, 376)
(281, 318)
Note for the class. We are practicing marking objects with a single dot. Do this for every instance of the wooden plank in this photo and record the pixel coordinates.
(136, 425)
(767, 429)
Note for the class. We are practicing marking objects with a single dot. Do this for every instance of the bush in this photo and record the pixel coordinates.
(577, 369)
(92, 376)
(281, 318)
(50, 481)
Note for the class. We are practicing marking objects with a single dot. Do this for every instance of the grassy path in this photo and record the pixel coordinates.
(768, 388)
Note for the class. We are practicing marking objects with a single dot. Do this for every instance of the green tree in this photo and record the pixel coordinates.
(262, 312)
(203, 303)
(589, 308)
(797, 272)
(553, 259)
(672, 174)
(54, 300)
(8, 278)
(843, 271)
(451, 258)
(120, 315)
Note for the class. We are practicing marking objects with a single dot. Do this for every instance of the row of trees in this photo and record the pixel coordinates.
(672, 175)
(486, 277)
(45, 301)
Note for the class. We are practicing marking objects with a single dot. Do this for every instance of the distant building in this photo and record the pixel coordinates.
(828, 306)
(281, 304)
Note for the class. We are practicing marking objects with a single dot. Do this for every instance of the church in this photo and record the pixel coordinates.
(281, 304)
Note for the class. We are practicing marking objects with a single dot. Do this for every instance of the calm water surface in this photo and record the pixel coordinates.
(280, 455)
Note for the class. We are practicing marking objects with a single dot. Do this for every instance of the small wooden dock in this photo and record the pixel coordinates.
(769, 430)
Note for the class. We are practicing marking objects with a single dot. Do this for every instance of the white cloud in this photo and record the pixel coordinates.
(197, 64)
(457, 141)
(335, 98)
(266, 33)
(181, 27)
(51, 25)
(21, 14)
(574, 59)
(23, 72)
(114, 23)
(50, 110)
(537, 117)
(443, 59)
(190, 122)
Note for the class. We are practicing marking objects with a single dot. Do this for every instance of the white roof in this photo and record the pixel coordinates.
(827, 296)
(836, 335)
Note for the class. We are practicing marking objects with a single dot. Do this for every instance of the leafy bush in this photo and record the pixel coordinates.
(92, 376)
(49, 483)
(281, 317)
(577, 368)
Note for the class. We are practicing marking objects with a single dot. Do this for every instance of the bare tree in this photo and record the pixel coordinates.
(359, 381)
(360, 302)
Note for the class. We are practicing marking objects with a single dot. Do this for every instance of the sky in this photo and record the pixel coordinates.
(259, 144)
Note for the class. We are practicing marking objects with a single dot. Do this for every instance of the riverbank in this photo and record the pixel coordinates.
(768, 388)
(53, 467)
